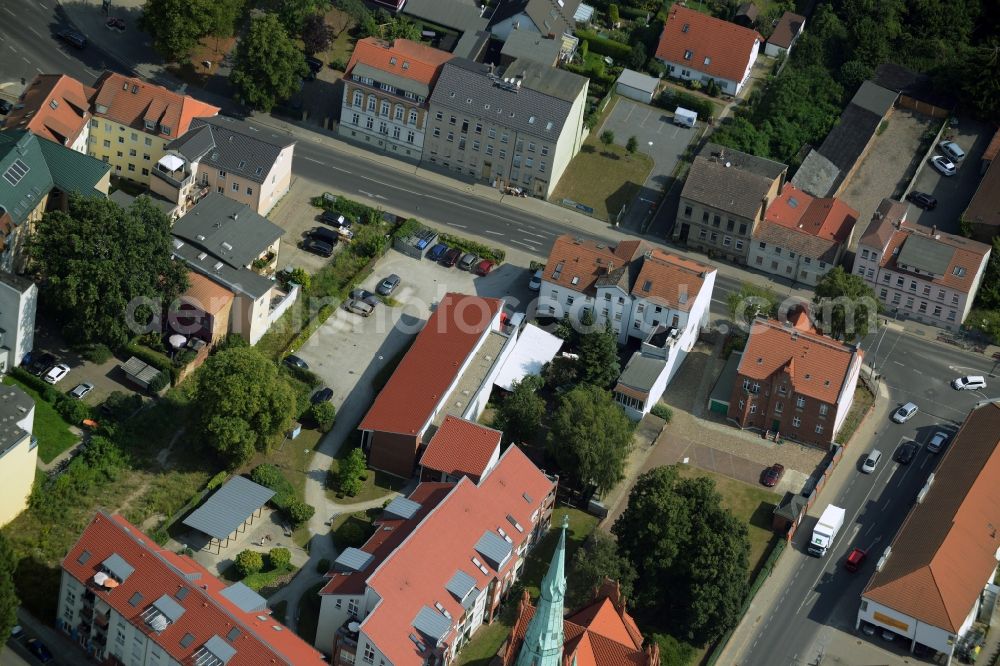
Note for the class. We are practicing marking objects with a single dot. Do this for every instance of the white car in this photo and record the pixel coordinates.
(56, 372)
(536, 281)
(969, 383)
(944, 166)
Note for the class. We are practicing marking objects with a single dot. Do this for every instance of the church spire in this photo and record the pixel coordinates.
(543, 642)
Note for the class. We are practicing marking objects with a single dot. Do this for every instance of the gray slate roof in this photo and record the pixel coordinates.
(227, 230)
(466, 86)
(226, 510)
(849, 137)
(232, 146)
(816, 175)
(531, 45)
(546, 79)
(238, 280)
(873, 97)
(641, 372)
(462, 15)
(925, 254)
(744, 161)
(639, 81)
(14, 406)
(549, 16)
(799, 242)
(729, 189)
(194, 143)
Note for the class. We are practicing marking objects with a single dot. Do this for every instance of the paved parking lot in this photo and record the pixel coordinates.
(106, 377)
(296, 216)
(649, 125)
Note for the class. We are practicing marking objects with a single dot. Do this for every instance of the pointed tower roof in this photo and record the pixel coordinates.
(543, 641)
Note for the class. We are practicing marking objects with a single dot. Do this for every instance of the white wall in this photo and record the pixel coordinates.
(332, 618)
(689, 72)
(277, 182)
(931, 636)
(477, 403)
(846, 397)
(763, 259)
(570, 139)
(17, 319)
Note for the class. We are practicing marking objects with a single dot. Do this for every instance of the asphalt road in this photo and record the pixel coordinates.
(822, 593)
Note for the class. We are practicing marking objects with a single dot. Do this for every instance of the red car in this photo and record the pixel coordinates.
(772, 475)
(483, 267)
(855, 559)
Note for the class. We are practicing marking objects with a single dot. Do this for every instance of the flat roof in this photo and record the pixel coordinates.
(534, 348)
(229, 507)
(472, 379)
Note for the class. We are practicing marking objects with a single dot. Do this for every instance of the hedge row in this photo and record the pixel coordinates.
(269, 476)
(604, 46)
(494, 254)
(671, 99)
(359, 211)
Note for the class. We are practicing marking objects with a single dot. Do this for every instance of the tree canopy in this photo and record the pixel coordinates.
(177, 25)
(691, 554)
(846, 306)
(598, 558)
(243, 402)
(751, 301)
(316, 34)
(104, 267)
(8, 595)
(521, 412)
(599, 357)
(590, 438)
(269, 67)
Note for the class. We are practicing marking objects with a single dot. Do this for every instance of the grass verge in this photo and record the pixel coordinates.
(52, 432)
(863, 401)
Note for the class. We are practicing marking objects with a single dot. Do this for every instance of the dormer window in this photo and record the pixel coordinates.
(708, 61)
(150, 125)
(959, 271)
(687, 55)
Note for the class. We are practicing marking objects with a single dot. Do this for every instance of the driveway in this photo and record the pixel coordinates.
(297, 216)
(953, 192)
(106, 377)
(659, 138)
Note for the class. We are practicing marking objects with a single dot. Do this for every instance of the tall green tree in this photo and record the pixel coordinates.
(8, 595)
(104, 269)
(598, 558)
(351, 473)
(591, 438)
(521, 412)
(242, 403)
(691, 554)
(269, 66)
(223, 15)
(399, 27)
(293, 13)
(751, 301)
(988, 297)
(599, 357)
(175, 25)
(316, 34)
(846, 307)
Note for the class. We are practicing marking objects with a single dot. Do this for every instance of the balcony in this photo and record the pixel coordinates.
(281, 301)
(174, 171)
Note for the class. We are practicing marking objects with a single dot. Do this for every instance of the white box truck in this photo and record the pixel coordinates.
(826, 530)
(685, 117)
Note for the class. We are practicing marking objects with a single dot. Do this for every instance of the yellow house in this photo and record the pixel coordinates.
(134, 120)
(18, 454)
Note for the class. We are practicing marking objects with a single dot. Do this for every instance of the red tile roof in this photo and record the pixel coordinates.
(577, 263)
(53, 106)
(828, 218)
(415, 575)
(993, 149)
(945, 551)
(131, 101)
(423, 377)
(461, 447)
(671, 280)
(158, 572)
(206, 295)
(410, 60)
(727, 46)
(819, 365)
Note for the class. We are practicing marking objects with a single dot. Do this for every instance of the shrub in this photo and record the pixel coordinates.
(349, 535)
(298, 512)
(97, 353)
(231, 341)
(158, 383)
(120, 405)
(662, 411)
(323, 415)
(307, 377)
(31, 381)
(216, 480)
(271, 477)
(297, 275)
(351, 473)
(495, 255)
(670, 99)
(604, 46)
(248, 562)
(408, 228)
(280, 558)
(72, 411)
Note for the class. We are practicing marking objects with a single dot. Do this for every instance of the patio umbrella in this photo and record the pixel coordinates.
(177, 340)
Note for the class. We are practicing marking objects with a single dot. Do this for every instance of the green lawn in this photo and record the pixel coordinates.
(261, 582)
(52, 432)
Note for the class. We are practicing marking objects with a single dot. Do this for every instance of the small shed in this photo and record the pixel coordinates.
(637, 86)
(140, 372)
(784, 35)
(228, 512)
(746, 15)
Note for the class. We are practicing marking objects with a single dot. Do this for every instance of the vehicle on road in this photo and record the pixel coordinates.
(388, 285)
(922, 200)
(535, 283)
(937, 442)
(904, 413)
(366, 296)
(81, 390)
(437, 252)
(38, 649)
(871, 462)
(39, 365)
(5, 107)
(943, 165)
(772, 475)
(359, 307)
(826, 530)
(467, 261)
(318, 247)
(325, 394)
(483, 267)
(56, 373)
(17, 632)
(450, 257)
(855, 559)
(293, 361)
(73, 38)
(905, 453)
(969, 383)
(315, 64)
(952, 150)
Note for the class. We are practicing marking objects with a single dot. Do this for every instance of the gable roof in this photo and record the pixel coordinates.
(205, 611)
(206, 295)
(547, 79)
(531, 45)
(75, 172)
(984, 209)
(461, 448)
(421, 380)
(462, 15)
(731, 181)
(402, 59)
(551, 17)
(818, 365)
(134, 102)
(227, 230)
(812, 227)
(231, 146)
(946, 549)
(725, 45)
(578, 263)
(669, 279)
(56, 107)
(639, 81)
(788, 28)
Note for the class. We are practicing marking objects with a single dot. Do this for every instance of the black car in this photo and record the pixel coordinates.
(336, 220)
(5, 107)
(323, 234)
(315, 64)
(37, 648)
(39, 365)
(365, 296)
(450, 257)
(73, 38)
(293, 361)
(905, 453)
(322, 248)
(922, 200)
(322, 395)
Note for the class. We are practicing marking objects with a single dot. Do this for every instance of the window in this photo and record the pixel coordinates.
(492, 133)
(409, 136)
(131, 152)
(895, 299)
(451, 136)
(145, 172)
(545, 151)
(236, 187)
(502, 155)
(954, 299)
(489, 149)
(730, 225)
(528, 163)
(927, 290)
(743, 229)
(531, 147)
(355, 119)
(398, 114)
(864, 254)
(371, 103)
(819, 429)
(937, 310)
(249, 191)
(382, 127)
(119, 153)
(796, 422)
(909, 302)
(913, 285)
(413, 117)
(359, 98)
(436, 132)
(753, 409)
(883, 294)
(369, 657)
(704, 216)
(687, 211)
(504, 137)
(762, 245)
(778, 407)
(107, 144)
(703, 234)
(131, 167)
(800, 402)
(94, 123)
(739, 245)
(823, 409)
(777, 251)
(121, 139)
(923, 306)
(871, 273)
(452, 120)
(687, 55)
(899, 281)
(479, 128)
(727, 241)
(370, 123)
(716, 220)
(886, 277)
(541, 166)
(149, 142)
(438, 116)
(135, 137)
(951, 315)
(461, 144)
(465, 126)
(715, 237)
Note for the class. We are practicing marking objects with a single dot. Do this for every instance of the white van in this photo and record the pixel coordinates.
(685, 117)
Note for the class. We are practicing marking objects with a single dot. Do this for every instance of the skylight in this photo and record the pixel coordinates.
(15, 172)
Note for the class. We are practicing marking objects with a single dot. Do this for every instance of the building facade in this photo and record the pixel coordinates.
(520, 129)
(386, 91)
(920, 274)
(18, 305)
(18, 451)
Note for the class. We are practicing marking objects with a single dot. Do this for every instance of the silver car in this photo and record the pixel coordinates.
(81, 390)
(904, 413)
(952, 150)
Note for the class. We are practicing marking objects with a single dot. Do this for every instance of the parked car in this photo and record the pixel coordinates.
(772, 475)
(467, 261)
(73, 38)
(905, 453)
(293, 361)
(358, 307)
(969, 383)
(335, 219)
(315, 64)
(325, 394)
(17, 632)
(922, 200)
(937, 442)
(855, 559)
(483, 267)
(323, 234)
(388, 285)
(904, 413)
(952, 150)
(37, 648)
(436, 253)
(56, 373)
(39, 365)
(5, 107)
(535, 283)
(365, 295)
(450, 257)
(322, 248)
(944, 166)
(871, 462)
(81, 390)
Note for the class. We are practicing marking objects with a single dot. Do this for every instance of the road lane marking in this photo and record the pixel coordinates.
(39, 69)
(303, 157)
(524, 231)
(495, 233)
(528, 240)
(453, 224)
(7, 9)
(533, 249)
(34, 31)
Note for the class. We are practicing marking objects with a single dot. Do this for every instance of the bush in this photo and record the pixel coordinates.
(72, 411)
(231, 341)
(350, 535)
(307, 377)
(670, 99)
(662, 411)
(31, 381)
(248, 562)
(280, 558)
(97, 353)
(495, 255)
(604, 46)
(120, 405)
(298, 512)
(271, 477)
(159, 382)
(323, 415)
(216, 480)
